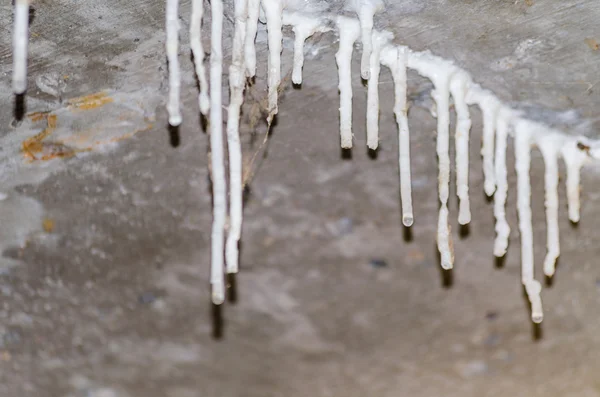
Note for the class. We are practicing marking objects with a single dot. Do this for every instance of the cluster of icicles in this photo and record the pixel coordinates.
(499, 121)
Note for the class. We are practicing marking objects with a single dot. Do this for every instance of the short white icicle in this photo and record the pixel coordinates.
(574, 159)
(458, 88)
(502, 228)
(303, 28)
(198, 51)
(366, 10)
(274, 13)
(236, 88)
(349, 30)
(489, 105)
(550, 147)
(396, 59)
(20, 41)
(216, 150)
(522, 166)
(249, 45)
(172, 45)
(380, 40)
(440, 71)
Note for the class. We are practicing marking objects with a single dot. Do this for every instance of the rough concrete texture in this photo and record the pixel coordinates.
(105, 227)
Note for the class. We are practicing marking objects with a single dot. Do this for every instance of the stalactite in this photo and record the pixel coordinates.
(396, 60)
(20, 41)
(274, 13)
(236, 88)
(216, 152)
(550, 151)
(198, 52)
(349, 32)
(172, 45)
(440, 71)
(251, 29)
(303, 28)
(459, 84)
(522, 166)
(502, 228)
(379, 40)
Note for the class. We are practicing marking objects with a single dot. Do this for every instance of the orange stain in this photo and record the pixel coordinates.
(48, 225)
(92, 101)
(39, 147)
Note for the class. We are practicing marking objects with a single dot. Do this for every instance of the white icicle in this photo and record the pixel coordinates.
(303, 28)
(20, 41)
(522, 166)
(366, 10)
(251, 29)
(198, 51)
(489, 105)
(550, 146)
(440, 71)
(216, 151)
(574, 159)
(236, 88)
(396, 59)
(458, 87)
(380, 40)
(274, 10)
(349, 30)
(502, 228)
(172, 44)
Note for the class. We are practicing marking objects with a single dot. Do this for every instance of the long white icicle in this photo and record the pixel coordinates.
(396, 59)
(236, 87)
(379, 39)
(20, 41)
(216, 151)
(172, 44)
(251, 29)
(458, 87)
(522, 166)
(349, 31)
(440, 71)
(502, 227)
(198, 51)
(274, 13)
(550, 150)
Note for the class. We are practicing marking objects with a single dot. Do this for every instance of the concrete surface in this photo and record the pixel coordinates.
(105, 235)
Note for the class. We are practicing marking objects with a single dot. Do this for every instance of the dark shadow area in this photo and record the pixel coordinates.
(232, 294)
(537, 331)
(378, 263)
(574, 225)
(246, 195)
(346, 154)
(217, 321)
(407, 233)
(297, 86)
(499, 261)
(488, 199)
(203, 123)
(464, 230)
(373, 153)
(174, 136)
(32, 12)
(19, 110)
